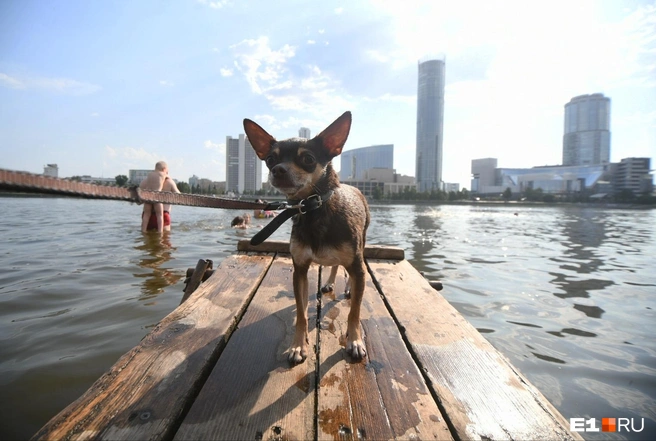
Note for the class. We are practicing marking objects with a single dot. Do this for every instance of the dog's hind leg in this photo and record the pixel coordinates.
(299, 350)
(330, 284)
(354, 343)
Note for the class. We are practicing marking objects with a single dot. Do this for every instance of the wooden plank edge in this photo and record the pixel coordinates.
(282, 246)
(372, 398)
(87, 408)
(258, 386)
(560, 424)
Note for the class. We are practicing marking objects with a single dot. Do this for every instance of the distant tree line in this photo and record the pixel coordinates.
(411, 194)
(538, 195)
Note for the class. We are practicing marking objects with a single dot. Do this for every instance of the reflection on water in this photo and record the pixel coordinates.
(156, 250)
(585, 232)
(566, 293)
(426, 228)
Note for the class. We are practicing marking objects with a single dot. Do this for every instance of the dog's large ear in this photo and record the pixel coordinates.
(334, 136)
(259, 138)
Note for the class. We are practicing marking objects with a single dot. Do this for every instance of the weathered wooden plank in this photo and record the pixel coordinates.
(282, 246)
(196, 278)
(383, 252)
(253, 392)
(383, 397)
(272, 246)
(145, 393)
(481, 394)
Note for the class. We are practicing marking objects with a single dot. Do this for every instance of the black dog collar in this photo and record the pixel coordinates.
(291, 208)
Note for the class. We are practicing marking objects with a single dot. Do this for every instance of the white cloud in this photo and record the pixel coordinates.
(339, 10)
(315, 93)
(110, 151)
(215, 147)
(288, 128)
(11, 82)
(306, 89)
(133, 158)
(635, 42)
(311, 42)
(218, 4)
(60, 85)
(562, 44)
(645, 119)
(95, 114)
(166, 83)
(266, 121)
(226, 72)
(262, 66)
(405, 99)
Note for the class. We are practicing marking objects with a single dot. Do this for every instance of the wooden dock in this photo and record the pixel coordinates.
(215, 367)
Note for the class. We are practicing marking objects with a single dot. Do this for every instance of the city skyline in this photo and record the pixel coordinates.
(101, 87)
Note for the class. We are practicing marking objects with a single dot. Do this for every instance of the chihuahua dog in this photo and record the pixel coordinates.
(332, 234)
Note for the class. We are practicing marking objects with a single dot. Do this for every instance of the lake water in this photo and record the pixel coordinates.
(567, 293)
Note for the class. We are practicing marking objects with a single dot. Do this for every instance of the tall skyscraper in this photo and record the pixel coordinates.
(243, 167)
(355, 162)
(304, 132)
(587, 130)
(430, 122)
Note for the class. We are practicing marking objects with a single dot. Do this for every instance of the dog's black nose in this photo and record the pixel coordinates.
(279, 171)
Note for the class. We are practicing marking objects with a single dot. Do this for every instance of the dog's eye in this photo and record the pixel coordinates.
(308, 159)
(270, 161)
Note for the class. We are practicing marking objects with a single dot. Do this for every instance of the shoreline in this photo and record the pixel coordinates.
(607, 205)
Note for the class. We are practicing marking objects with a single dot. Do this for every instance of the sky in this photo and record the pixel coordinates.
(102, 87)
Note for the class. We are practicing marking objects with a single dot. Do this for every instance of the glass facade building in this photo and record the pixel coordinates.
(490, 179)
(587, 130)
(430, 122)
(355, 162)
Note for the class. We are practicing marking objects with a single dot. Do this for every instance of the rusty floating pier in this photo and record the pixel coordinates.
(215, 367)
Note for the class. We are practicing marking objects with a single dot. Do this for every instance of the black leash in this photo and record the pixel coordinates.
(291, 208)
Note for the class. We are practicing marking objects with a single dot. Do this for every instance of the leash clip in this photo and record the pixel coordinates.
(303, 203)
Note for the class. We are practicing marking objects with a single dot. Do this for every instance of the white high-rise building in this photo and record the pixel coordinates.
(51, 170)
(243, 167)
(430, 123)
(304, 132)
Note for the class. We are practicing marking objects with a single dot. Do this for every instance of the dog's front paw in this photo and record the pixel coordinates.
(356, 349)
(328, 287)
(297, 354)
